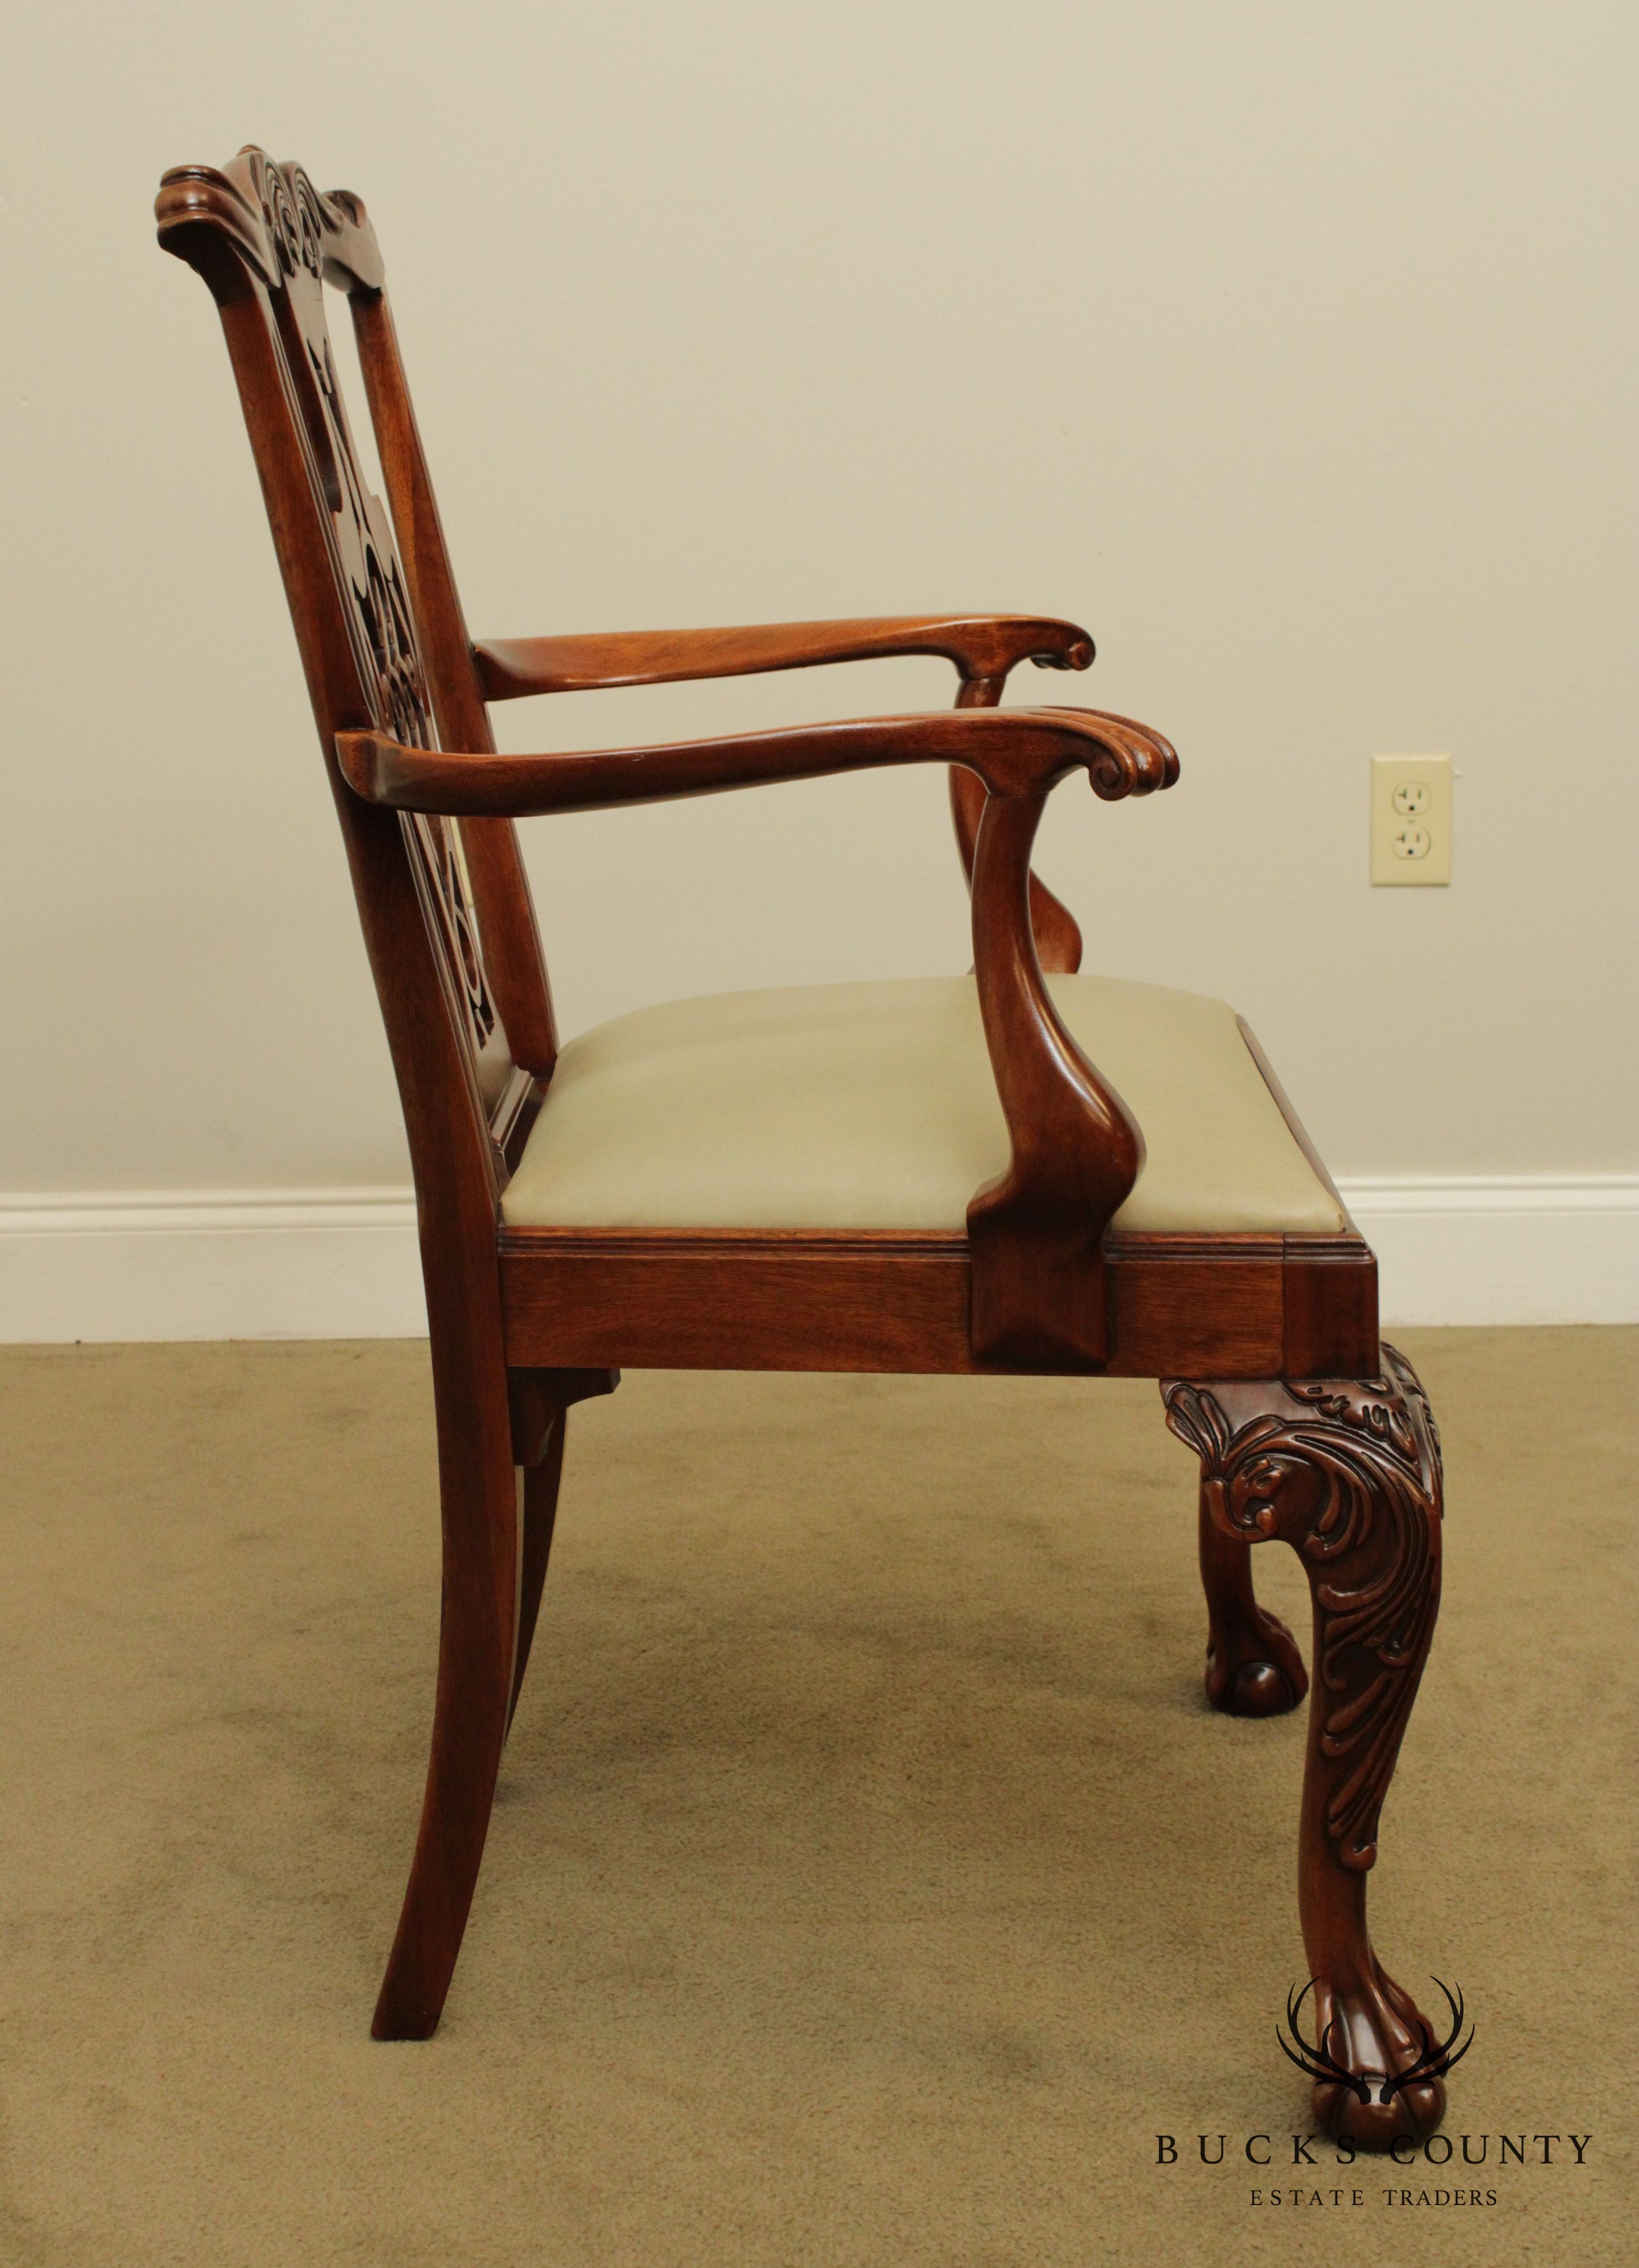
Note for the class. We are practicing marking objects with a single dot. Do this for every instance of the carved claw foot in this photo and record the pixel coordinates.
(1375, 2032)
(1347, 1472)
(1253, 1666)
(1255, 1673)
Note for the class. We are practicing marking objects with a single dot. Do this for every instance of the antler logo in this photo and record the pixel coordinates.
(1311, 2056)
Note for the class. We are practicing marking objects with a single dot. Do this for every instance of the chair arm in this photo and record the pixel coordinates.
(980, 646)
(1013, 751)
(1035, 1235)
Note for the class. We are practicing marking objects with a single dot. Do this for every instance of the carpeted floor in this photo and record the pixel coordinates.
(870, 1883)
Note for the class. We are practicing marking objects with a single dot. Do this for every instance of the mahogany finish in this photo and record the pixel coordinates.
(1338, 1455)
(1253, 1666)
(1058, 940)
(540, 1401)
(1348, 1474)
(980, 646)
(1019, 754)
(786, 1299)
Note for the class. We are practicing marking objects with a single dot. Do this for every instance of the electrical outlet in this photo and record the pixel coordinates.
(1411, 820)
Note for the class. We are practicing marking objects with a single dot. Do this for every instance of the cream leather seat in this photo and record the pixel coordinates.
(872, 1107)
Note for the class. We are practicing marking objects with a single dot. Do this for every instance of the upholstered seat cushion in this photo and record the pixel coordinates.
(873, 1106)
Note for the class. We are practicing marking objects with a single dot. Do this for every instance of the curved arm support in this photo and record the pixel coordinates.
(980, 646)
(1057, 939)
(1013, 751)
(1036, 1236)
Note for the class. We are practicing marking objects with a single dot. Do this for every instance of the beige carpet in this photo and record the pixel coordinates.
(871, 1884)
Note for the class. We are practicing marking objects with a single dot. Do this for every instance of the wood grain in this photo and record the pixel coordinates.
(1013, 751)
(979, 645)
(1058, 940)
(729, 1300)
(1347, 1472)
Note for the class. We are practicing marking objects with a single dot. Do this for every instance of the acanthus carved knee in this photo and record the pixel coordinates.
(1347, 1472)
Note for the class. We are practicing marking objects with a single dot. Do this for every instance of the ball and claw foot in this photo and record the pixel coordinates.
(1255, 1671)
(1412, 2115)
(1377, 2041)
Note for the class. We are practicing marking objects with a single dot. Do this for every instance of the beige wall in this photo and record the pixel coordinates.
(1289, 346)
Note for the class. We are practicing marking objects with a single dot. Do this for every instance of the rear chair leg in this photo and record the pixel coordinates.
(540, 1400)
(1253, 1666)
(540, 1515)
(492, 1579)
(1347, 1472)
(476, 1626)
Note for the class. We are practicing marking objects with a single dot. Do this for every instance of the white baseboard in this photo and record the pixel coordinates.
(1502, 1248)
(342, 1263)
(210, 1265)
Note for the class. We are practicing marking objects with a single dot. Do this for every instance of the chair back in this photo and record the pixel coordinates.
(445, 906)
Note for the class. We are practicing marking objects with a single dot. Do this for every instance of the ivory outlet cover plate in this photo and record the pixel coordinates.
(1411, 821)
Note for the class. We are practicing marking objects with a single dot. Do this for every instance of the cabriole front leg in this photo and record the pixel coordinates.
(1347, 1472)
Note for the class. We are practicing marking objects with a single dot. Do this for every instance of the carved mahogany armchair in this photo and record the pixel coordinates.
(1028, 1169)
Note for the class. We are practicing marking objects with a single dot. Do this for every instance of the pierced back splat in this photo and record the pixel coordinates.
(368, 572)
(267, 243)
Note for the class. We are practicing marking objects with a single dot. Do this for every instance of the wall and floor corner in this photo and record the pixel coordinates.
(712, 315)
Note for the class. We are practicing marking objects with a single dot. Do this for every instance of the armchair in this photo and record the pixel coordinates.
(1028, 1169)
